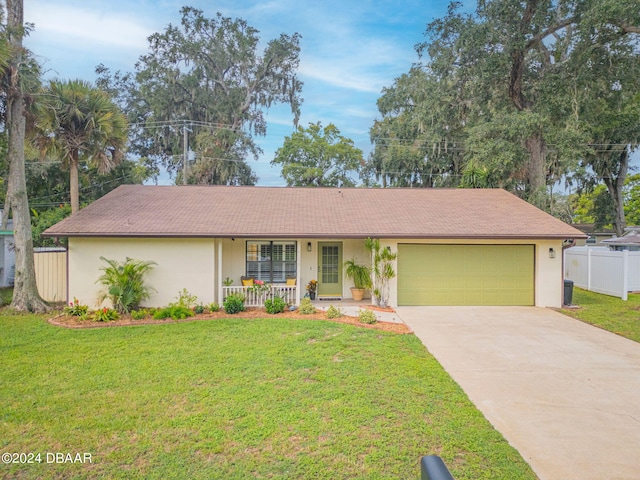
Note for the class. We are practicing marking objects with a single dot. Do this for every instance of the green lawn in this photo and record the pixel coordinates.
(609, 313)
(237, 399)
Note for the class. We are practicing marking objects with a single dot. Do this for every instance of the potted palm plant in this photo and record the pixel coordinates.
(361, 276)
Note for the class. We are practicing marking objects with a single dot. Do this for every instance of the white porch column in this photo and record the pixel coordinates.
(220, 294)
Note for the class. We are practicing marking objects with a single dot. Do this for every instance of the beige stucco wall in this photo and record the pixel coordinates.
(193, 264)
(181, 263)
(548, 282)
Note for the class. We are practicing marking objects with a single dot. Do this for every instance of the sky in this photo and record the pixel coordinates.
(350, 51)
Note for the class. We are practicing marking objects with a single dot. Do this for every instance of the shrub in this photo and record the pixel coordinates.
(174, 311)
(367, 316)
(76, 309)
(185, 299)
(275, 305)
(234, 303)
(139, 314)
(198, 309)
(105, 315)
(213, 307)
(124, 282)
(306, 306)
(334, 312)
(5, 296)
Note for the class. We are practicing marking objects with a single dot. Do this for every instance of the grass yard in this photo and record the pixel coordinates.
(237, 399)
(608, 313)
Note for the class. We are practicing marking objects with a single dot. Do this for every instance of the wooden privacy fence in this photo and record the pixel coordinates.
(603, 271)
(51, 273)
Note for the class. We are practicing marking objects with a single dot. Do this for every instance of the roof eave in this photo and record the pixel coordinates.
(413, 236)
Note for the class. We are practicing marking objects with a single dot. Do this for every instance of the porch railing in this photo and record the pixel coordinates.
(256, 298)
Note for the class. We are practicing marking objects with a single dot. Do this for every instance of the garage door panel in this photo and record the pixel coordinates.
(465, 274)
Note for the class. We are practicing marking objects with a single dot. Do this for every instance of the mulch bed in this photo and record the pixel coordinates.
(251, 313)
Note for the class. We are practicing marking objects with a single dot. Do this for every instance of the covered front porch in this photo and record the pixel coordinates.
(284, 268)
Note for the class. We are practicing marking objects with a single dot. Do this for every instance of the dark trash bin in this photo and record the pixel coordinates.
(568, 292)
(433, 468)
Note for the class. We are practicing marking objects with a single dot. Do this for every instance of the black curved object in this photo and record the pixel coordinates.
(433, 468)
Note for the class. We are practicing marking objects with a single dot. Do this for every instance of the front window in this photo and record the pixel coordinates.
(271, 261)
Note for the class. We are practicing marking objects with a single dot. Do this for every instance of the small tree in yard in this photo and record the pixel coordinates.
(124, 282)
(382, 267)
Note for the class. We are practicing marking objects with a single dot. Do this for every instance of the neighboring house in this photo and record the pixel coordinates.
(7, 255)
(629, 241)
(595, 237)
(455, 246)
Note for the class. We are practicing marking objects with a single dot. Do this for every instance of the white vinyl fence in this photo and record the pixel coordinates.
(603, 271)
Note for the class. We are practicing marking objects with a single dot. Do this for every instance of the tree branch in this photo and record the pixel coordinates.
(550, 31)
(626, 28)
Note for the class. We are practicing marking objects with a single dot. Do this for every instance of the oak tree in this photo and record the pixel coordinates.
(318, 156)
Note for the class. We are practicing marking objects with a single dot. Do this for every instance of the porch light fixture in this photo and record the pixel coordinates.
(552, 253)
(308, 246)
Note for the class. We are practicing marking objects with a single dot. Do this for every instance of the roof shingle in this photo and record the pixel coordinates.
(277, 212)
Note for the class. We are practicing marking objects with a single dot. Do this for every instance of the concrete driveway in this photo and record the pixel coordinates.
(565, 394)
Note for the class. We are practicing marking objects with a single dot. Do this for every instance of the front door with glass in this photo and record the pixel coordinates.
(330, 269)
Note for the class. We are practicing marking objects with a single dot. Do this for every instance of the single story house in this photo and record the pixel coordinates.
(594, 237)
(629, 241)
(454, 246)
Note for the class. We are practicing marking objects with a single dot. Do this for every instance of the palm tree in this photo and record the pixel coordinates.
(76, 122)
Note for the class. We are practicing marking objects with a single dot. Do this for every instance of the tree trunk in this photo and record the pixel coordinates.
(535, 167)
(615, 186)
(74, 190)
(536, 170)
(25, 291)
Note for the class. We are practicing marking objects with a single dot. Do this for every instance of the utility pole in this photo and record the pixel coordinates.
(185, 158)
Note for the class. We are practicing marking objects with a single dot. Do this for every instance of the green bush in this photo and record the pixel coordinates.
(198, 309)
(174, 311)
(275, 305)
(105, 315)
(124, 283)
(334, 312)
(213, 307)
(139, 314)
(77, 309)
(185, 299)
(307, 307)
(234, 303)
(5, 296)
(367, 316)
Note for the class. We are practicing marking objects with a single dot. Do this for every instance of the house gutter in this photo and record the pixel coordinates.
(309, 235)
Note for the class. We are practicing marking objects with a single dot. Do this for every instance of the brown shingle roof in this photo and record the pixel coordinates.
(276, 212)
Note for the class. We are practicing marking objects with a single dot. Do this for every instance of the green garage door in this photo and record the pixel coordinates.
(465, 274)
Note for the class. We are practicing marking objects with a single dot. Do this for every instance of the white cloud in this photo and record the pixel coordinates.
(87, 27)
(339, 76)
